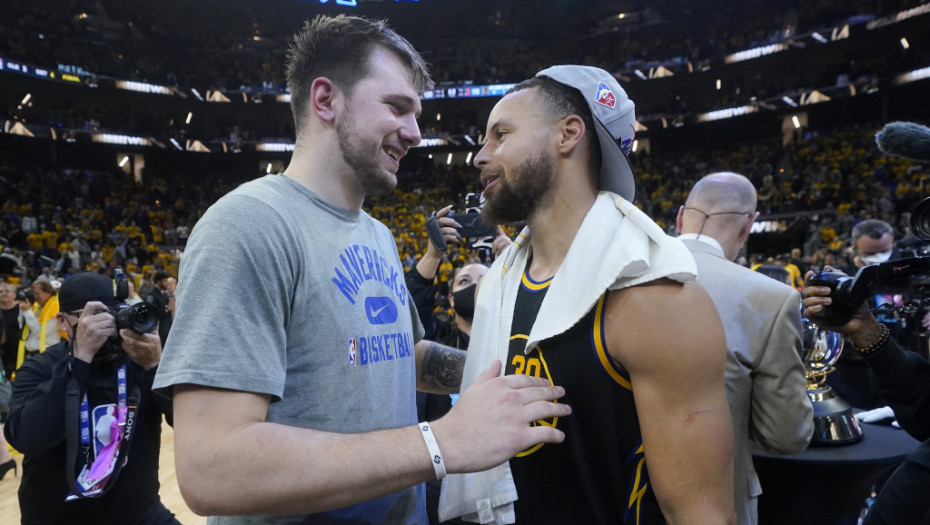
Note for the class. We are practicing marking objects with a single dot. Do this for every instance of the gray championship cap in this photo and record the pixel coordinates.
(614, 120)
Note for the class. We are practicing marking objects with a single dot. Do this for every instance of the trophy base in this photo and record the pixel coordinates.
(834, 423)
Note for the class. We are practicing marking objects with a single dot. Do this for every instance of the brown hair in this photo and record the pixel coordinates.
(339, 48)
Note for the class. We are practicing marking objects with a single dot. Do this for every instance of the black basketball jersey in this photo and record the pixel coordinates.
(598, 474)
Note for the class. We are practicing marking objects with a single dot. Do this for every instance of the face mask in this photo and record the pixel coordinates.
(875, 258)
(465, 302)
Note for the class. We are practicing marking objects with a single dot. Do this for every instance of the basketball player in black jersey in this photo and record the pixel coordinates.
(649, 439)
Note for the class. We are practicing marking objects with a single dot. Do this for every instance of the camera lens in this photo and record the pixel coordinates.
(139, 318)
(481, 229)
(920, 220)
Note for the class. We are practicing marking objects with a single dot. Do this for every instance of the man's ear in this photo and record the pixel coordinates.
(744, 233)
(571, 133)
(323, 94)
(679, 218)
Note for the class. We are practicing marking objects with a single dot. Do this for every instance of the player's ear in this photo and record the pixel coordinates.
(323, 94)
(572, 132)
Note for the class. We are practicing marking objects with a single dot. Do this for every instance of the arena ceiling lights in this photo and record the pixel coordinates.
(122, 140)
(721, 114)
(755, 52)
(144, 87)
(912, 76)
(901, 16)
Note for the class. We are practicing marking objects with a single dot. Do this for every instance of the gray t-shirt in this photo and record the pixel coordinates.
(282, 293)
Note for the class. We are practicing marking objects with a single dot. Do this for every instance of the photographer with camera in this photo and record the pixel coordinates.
(444, 228)
(38, 307)
(873, 242)
(78, 406)
(901, 378)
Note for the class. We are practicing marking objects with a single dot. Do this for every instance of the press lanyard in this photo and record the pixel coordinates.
(96, 478)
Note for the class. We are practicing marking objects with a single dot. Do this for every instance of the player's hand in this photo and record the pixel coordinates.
(492, 420)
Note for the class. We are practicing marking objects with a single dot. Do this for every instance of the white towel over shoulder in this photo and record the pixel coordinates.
(617, 246)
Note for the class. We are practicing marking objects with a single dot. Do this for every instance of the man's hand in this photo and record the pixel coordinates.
(144, 349)
(25, 305)
(94, 327)
(492, 420)
(863, 328)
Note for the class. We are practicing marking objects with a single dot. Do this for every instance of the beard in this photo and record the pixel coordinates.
(357, 151)
(520, 200)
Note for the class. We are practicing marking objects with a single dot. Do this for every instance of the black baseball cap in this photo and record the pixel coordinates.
(82, 288)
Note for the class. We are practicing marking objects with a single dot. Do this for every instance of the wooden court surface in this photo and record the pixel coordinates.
(170, 495)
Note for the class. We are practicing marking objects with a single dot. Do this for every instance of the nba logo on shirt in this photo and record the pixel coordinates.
(605, 96)
(353, 356)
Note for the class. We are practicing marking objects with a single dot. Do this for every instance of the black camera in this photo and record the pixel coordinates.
(892, 277)
(472, 227)
(141, 318)
(25, 294)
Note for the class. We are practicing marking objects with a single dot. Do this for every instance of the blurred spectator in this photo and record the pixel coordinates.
(37, 320)
(10, 328)
(157, 296)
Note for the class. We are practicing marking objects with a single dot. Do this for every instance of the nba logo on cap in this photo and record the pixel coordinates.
(353, 356)
(605, 96)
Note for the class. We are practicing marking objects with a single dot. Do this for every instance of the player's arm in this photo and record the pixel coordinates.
(229, 460)
(671, 341)
(439, 367)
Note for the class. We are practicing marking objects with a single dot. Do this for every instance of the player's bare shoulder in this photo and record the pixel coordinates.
(656, 318)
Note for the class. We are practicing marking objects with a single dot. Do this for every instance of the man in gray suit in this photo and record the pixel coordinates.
(762, 320)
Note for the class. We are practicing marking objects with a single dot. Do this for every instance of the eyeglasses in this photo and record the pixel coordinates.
(748, 214)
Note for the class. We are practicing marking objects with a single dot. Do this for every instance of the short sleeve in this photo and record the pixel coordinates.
(234, 291)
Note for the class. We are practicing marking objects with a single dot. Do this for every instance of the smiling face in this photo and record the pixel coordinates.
(379, 123)
(517, 162)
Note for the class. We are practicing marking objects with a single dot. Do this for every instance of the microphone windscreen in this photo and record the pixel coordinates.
(905, 139)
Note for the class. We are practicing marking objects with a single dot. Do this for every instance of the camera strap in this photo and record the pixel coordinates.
(97, 476)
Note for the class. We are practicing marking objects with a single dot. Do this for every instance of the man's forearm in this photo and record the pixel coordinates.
(439, 367)
(30, 319)
(268, 468)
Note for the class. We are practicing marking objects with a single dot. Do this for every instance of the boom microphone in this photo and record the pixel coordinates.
(905, 139)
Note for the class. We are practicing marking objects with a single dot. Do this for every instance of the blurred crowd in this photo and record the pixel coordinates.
(234, 46)
(59, 221)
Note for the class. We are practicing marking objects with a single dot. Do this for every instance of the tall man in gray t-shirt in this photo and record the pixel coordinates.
(295, 349)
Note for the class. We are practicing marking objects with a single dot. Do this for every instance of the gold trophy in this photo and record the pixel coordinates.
(834, 423)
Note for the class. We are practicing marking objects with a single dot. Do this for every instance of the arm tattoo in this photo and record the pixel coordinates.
(442, 367)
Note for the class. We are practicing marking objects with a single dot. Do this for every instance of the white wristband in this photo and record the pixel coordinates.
(433, 447)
